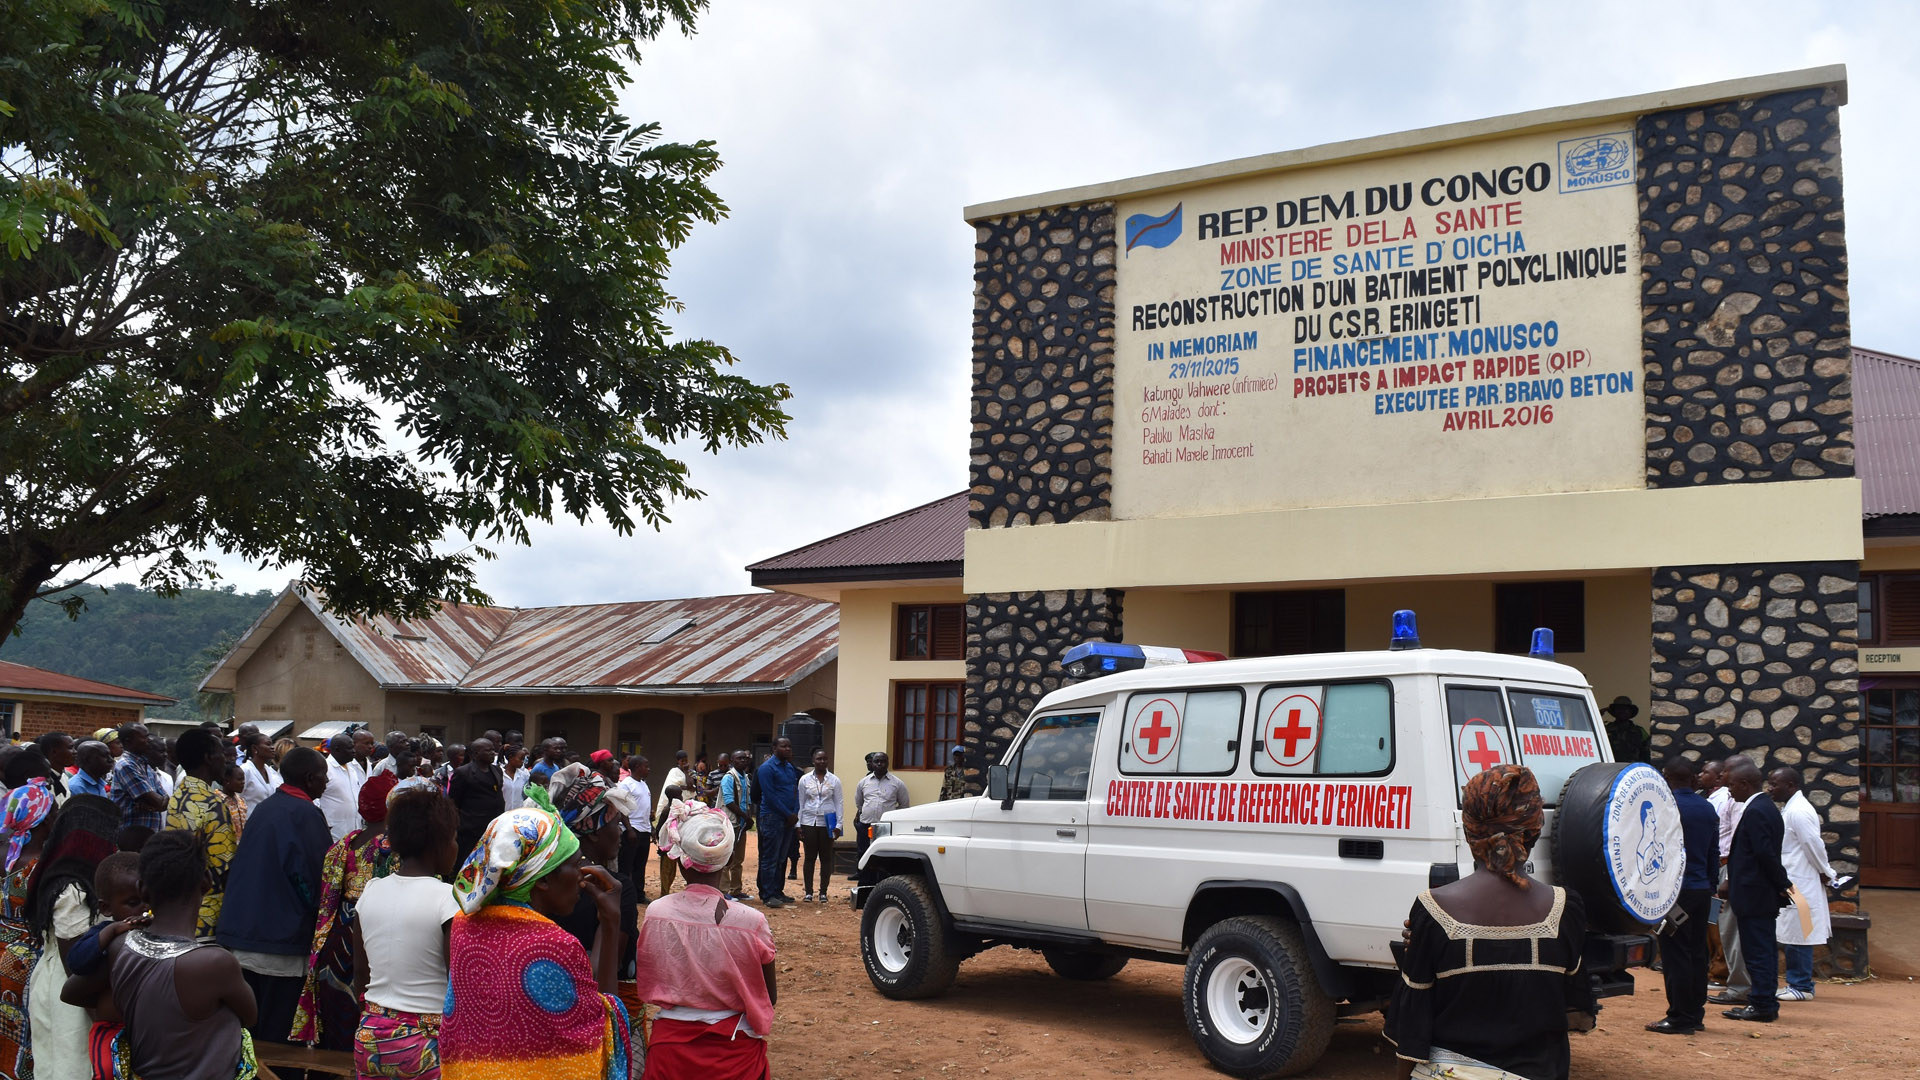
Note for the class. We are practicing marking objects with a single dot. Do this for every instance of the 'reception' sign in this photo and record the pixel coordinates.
(1458, 322)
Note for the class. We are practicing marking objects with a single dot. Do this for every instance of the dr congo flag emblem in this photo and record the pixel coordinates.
(1146, 230)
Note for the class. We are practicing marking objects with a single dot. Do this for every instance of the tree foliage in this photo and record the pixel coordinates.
(327, 282)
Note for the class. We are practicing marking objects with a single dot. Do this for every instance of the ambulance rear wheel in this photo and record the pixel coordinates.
(1252, 1002)
(1084, 966)
(904, 942)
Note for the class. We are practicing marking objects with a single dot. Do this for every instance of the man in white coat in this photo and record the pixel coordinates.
(1804, 855)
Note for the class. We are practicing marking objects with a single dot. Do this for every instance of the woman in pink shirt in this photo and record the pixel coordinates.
(707, 962)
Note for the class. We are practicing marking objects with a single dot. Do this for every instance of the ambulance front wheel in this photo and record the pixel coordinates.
(1252, 1002)
(904, 942)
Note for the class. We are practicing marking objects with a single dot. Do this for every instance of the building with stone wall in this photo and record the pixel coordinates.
(708, 674)
(1587, 367)
(35, 702)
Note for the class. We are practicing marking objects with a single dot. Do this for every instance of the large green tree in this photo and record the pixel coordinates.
(328, 282)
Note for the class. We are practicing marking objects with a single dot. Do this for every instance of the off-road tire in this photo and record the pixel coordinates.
(1298, 1017)
(1580, 847)
(1084, 966)
(919, 960)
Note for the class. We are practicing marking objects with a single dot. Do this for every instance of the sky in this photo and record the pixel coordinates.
(855, 133)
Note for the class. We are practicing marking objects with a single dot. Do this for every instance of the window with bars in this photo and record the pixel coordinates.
(1522, 606)
(930, 632)
(1893, 745)
(1287, 623)
(1890, 609)
(926, 723)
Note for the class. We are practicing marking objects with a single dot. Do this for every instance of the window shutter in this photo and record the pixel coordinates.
(949, 632)
(1900, 609)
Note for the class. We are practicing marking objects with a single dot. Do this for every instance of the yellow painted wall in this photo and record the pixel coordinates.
(1891, 558)
(868, 672)
(302, 673)
(1178, 620)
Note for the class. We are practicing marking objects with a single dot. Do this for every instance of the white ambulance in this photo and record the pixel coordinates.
(1267, 823)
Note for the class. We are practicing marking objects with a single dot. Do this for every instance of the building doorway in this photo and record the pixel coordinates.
(736, 728)
(1890, 785)
(654, 733)
(580, 727)
(500, 720)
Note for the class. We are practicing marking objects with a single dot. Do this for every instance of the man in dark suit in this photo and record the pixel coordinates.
(1756, 886)
(1683, 948)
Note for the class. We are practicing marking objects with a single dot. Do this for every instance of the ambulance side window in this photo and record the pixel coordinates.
(1188, 732)
(1477, 729)
(1556, 736)
(1336, 729)
(1057, 758)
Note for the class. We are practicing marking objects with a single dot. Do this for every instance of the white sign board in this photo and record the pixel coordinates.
(1461, 322)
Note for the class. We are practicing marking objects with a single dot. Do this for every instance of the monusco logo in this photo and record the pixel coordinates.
(1596, 161)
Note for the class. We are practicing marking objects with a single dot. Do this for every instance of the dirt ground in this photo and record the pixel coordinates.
(1008, 1016)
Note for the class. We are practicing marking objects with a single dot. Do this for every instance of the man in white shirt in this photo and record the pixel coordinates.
(823, 807)
(1739, 983)
(515, 774)
(341, 801)
(638, 839)
(676, 777)
(875, 794)
(1803, 853)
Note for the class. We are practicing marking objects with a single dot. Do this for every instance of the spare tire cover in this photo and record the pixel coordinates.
(1617, 842)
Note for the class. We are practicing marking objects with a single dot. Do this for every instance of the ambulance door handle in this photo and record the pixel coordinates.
(1259, 745)
(1233, 746)
(1066, 834)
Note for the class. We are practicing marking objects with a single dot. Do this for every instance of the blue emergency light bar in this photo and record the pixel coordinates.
(1542, 644)
(1091, 659)
(1406, 631)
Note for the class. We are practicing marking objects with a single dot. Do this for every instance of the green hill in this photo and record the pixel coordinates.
(132, 637)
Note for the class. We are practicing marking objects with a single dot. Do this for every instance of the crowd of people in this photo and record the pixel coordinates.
(169, 907)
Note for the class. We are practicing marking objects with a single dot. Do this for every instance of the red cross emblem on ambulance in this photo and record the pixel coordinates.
(1291, 730)
(1156, 731)
(1480, 747)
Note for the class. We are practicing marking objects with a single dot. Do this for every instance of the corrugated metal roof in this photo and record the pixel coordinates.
(753, 639)
(1886, 432)
(436, 651)
(759, 641)
(35, 680)
(327, 729)
(933, 533)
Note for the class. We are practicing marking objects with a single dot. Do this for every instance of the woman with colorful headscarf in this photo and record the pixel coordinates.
(526, 1000)
(329, 1012)
(24, 827)
(707, 962)
(60, 909)
(1491, 980)
(597, 812)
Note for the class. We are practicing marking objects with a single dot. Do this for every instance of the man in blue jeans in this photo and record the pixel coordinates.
(777, 796)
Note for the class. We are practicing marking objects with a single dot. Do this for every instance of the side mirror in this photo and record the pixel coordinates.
(997, 788)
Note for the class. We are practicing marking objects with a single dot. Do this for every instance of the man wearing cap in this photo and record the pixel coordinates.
(1629, 742)
(954, 784)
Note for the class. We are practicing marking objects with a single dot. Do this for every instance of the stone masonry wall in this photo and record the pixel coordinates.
(1747, 349)
(1762, 661)
(1747, 353)
(1041, 447)
(1043, 367)
(1014, 642)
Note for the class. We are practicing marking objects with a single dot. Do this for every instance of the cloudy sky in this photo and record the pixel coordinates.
(854, 133)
